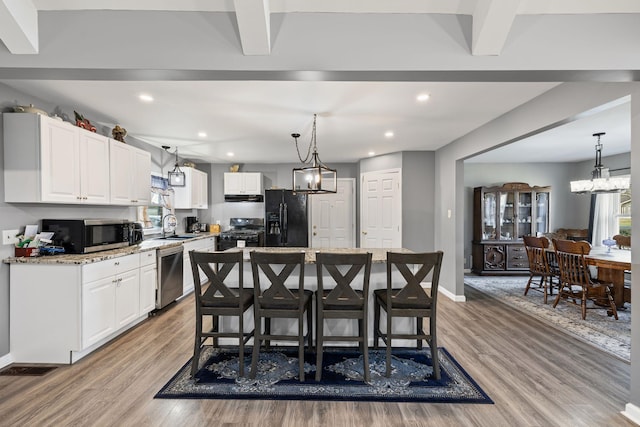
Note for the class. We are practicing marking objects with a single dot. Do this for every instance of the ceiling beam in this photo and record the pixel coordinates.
(19, 26)
(492, 20)
(254, 26)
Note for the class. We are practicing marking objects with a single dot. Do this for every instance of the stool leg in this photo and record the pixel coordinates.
(319, 341)
(376, 323)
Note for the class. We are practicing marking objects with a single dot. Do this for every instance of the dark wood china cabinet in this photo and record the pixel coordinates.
(501, 216)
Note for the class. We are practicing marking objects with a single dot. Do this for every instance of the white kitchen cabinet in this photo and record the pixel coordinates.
(110, 297)
(48, 160)
(249, 183)
(206, 244)
(130, 174)
(62, 312)
(148, 281)
(194, 194)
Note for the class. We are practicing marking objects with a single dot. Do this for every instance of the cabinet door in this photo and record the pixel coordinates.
(98, 310)
(201, 196)
(127, 297)
(489, 216)
(148, 279)
(541, 213)
(184, 195)
(233, 183)
(94, 168)
(142, 177)
(524, 214)
(121, 173)
(507, 215)
(60, 162)
(252, 183)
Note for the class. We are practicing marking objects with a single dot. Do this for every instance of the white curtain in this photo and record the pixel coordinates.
(605, 217)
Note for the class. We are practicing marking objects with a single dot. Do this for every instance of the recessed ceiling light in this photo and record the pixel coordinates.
(202, 134)
(423, 97)
(230, 154)
(372, 153)
(146, 98)
(388, 134)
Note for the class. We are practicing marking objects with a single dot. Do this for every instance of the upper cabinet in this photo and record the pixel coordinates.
(130, 174)
(194, 195)
(245, 183)
(48, 160)
(51, 161)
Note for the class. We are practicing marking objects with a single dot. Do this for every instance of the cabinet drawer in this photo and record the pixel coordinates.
(147, 258)
(111, 267)
(517, 257)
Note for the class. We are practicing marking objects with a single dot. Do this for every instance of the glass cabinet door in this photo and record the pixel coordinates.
(489, 216)
(542, 213)
(507, 216)
(524, 215)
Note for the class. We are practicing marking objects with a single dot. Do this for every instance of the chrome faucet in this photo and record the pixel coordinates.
(169, 221)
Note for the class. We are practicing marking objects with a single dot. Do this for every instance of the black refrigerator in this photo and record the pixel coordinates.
(286, 219)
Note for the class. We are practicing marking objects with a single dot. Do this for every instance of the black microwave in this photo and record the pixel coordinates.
(81, 236)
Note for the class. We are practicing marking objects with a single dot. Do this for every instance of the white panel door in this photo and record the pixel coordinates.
(94, 168)
(333, 217)
(381, 210)
(60, 162)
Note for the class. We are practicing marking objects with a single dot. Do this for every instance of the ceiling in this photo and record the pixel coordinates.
(253, 118)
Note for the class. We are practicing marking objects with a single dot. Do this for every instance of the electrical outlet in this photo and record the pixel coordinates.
(9, 237)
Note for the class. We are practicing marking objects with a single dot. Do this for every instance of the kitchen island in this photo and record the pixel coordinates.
(377, 280)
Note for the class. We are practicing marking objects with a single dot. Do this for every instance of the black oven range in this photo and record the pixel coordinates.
(248, 230)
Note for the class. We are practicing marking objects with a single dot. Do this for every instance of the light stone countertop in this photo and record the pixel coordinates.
(144, 246)
(378, 255)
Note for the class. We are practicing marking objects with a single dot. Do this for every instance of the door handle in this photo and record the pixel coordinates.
(364, 232)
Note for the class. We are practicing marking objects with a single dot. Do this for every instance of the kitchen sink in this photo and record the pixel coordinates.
(178, 237)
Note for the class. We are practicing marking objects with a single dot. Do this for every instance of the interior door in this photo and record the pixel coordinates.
(333, 217)
(381, 210)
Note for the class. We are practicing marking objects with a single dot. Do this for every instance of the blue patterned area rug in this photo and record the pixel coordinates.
(601, 331)
(342, 378)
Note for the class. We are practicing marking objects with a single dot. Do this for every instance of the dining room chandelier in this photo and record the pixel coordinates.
(176, 176)
(314, 177)
(601, 181)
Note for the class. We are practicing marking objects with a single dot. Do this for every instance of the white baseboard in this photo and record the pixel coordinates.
(452, 296)
(632, 412)
(6, 360)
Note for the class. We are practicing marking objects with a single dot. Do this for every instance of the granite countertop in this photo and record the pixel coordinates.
(144, 246)
(379, 255)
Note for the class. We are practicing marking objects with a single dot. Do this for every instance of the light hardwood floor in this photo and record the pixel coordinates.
(537, 376)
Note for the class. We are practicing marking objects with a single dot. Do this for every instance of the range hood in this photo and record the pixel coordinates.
(243, 198)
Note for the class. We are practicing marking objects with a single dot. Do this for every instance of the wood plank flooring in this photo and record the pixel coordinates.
(536, 375)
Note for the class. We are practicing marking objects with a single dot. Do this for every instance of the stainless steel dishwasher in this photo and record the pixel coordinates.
(170, 273)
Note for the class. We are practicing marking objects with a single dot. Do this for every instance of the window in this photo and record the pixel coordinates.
(624, 213)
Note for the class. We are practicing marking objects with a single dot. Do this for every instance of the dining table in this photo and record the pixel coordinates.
(612, 265)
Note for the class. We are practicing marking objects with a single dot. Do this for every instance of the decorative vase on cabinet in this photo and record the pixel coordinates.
(502, 215)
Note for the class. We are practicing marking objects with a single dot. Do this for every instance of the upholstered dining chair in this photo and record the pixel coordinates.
(623, 242)
(216, 298)
(277, 301)
(346, 299)
(407, 298)
(575, 279)
(538, 257)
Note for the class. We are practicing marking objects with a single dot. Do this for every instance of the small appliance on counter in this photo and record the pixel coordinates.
(191, 224)
(81, 236)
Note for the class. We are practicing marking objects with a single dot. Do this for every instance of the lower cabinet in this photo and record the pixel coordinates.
(62, 312)
(148, 281)
(207, 244)
(499, 258)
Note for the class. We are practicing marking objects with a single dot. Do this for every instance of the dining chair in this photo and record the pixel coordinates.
(347, 299)
(216, 298)
(575, 279)
(407, 298)
(277, 301)
(623, 242)
(538, 257)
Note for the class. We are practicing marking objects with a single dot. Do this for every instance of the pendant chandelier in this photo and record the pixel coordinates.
(314, 177)
(600, 181)
(176, 176)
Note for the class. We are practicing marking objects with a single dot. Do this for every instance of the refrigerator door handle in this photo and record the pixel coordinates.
(280, 224)
(285, 224)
